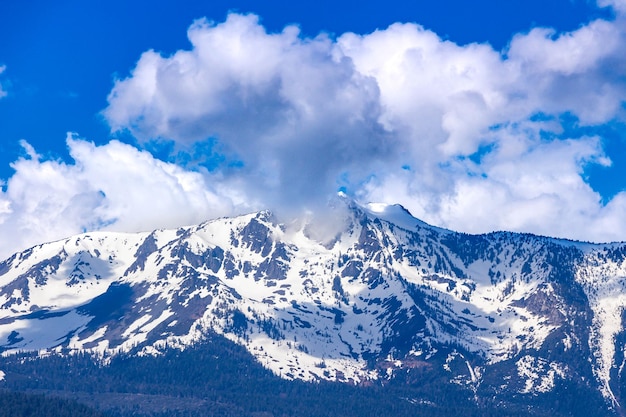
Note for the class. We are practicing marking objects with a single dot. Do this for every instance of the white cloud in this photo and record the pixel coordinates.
(293, 111)
(577, 71)
(30, 150)
(111, 187)
(398, 115)
(456, 98)
(543, 51)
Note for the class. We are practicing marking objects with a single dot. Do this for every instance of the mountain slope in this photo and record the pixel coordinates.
(380, 299)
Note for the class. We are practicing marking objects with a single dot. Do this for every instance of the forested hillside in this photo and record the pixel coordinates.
(16, 404)
(220, 378)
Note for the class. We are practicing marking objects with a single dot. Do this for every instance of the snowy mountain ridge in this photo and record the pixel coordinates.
(387, 295)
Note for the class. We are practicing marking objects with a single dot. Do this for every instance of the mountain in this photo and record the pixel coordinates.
(367, 296)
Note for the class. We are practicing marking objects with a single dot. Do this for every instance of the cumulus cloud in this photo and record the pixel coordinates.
(109, 187)
(460, 104)
(296, 113)
(465, 136)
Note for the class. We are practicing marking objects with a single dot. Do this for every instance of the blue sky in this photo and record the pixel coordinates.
(476, 115)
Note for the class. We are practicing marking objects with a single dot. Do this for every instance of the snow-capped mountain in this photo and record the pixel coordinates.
(381, 296)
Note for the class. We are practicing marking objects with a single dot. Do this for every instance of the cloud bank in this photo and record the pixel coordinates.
(112, 187)
(464, 136)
